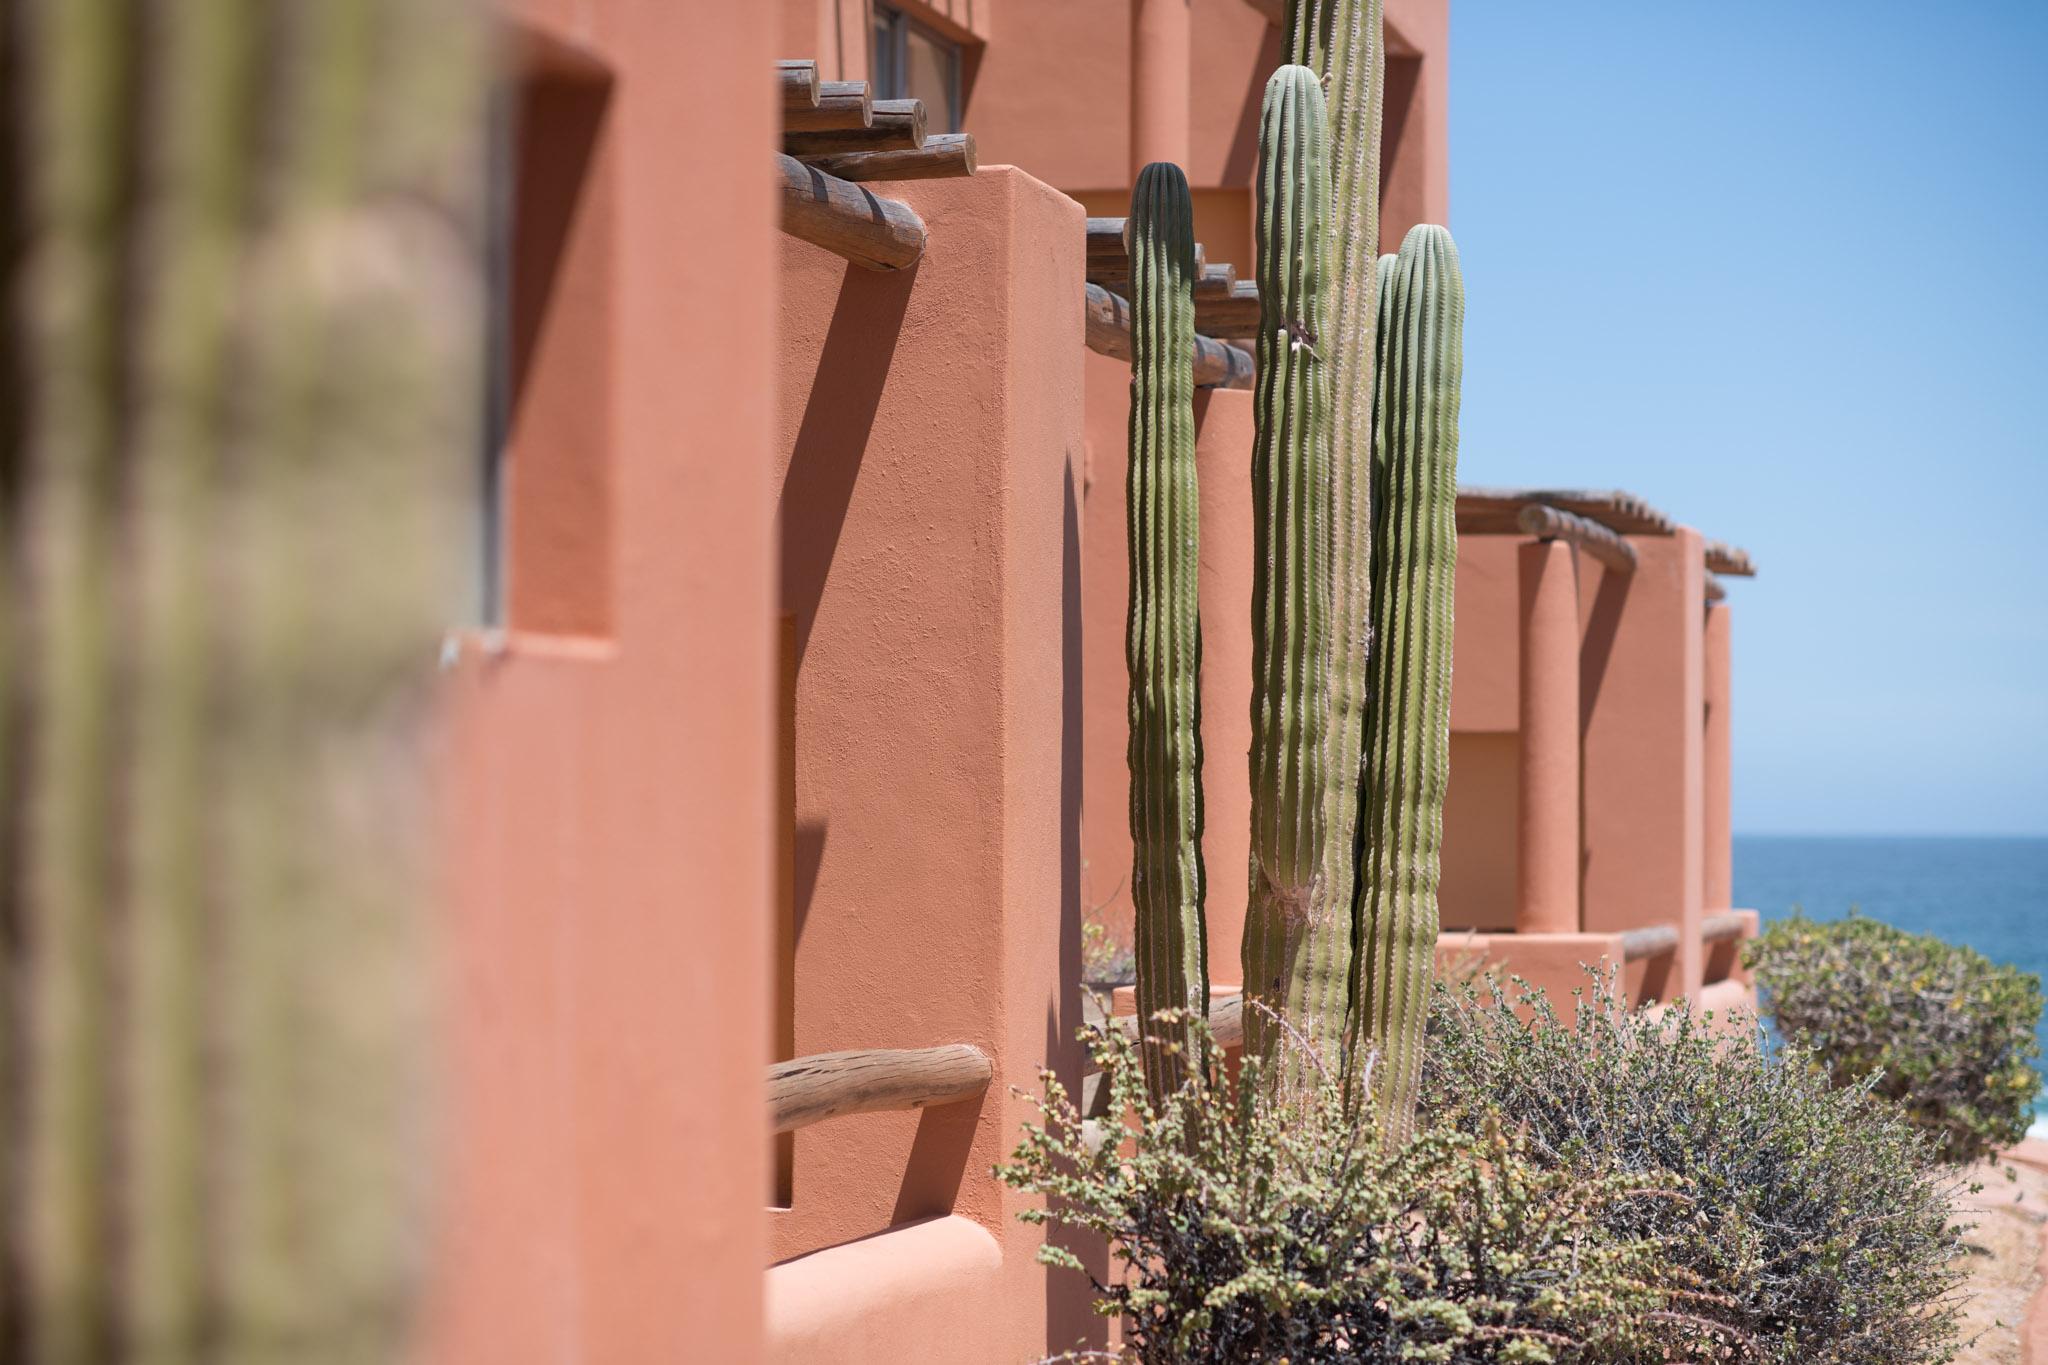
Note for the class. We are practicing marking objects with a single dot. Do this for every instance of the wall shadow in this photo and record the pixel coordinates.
(937, 1161)
(1596, 649)
(839, 416)
(1070, 1320)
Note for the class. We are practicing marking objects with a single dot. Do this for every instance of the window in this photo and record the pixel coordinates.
(909, 61)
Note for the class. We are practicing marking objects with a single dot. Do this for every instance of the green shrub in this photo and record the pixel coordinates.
(1814, 1222)
(1253, 1232)
(1938, 1029)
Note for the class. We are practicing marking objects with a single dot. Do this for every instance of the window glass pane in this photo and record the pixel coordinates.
(933, 75)
(884, 80)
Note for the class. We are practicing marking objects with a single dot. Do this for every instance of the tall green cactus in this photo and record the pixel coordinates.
(1163, 637)
(251, 361)
(1407, 723)
(1297, 951)
(1342, 41)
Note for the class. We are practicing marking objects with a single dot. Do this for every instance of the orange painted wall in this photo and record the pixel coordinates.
(610, 762)
(929, 457)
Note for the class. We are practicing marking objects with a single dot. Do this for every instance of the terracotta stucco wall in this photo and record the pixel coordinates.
(929, 458)
(610, 761)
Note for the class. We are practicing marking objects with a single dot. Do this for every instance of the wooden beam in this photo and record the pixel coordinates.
(841, 107)
(1497, 511)
(1655, 941)
(1728, 924)
(1226, 1020)
(1547, 523)
(943, 156)
(828, 1085)
(1233, 314)
(1218, 365)
(799, 83)
(1215, 281)
(893, 126)
(847, 219)
(1729, 559)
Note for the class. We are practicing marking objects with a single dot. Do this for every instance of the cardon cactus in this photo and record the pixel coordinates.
(1163, 638)
(1297, 942)
(250, 364)
(1341, 40)
(1407, 719)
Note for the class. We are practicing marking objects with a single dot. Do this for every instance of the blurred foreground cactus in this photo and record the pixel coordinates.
(1163, 639)
(246, 343)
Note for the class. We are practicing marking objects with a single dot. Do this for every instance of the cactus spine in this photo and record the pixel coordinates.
(1163, 638)
(251, 361)
(1296, 945)
(1407, 724)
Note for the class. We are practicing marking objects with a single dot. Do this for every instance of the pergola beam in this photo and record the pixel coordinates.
(847, 219)
(1547, 523)
(942, 156)
(829, 1085)
(1218, 364)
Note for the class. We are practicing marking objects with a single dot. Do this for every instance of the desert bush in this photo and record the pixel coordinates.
(1816, 1224)
(1938, 1029)
(1255, 1232)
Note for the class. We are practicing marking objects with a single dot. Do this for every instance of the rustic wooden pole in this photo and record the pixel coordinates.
(840, 107)
(943, 156)
(798, 81)
(1235, 314)
(893, 126)
(1655, 940)
(808, 1090)
(1547, 523)
(1729, 560)
(1218, 364)
(847, 219)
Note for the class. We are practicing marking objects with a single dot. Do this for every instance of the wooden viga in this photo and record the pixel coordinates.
(1226, 308)
(836, 137)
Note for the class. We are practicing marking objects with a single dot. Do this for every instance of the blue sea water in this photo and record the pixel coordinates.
(1989, 893)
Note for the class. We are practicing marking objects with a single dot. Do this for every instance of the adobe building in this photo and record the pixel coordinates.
(799, 729)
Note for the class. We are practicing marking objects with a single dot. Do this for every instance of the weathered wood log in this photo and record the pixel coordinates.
(1730, 560)
(1726, 925)
(1226, 1020)
(1547, 523)
(1109, 260)
(943, 156)
(842, 106)
(1497, 511)
(847, 219)
(893, 126)
(1235, 314)
(1655, 941)
(808, 1090)
(799, 84)
(1218, 365)
(1215, 281)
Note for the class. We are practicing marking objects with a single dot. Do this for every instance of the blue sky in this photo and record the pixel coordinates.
(1782, 269)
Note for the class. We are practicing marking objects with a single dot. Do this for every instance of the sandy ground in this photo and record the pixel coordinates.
(2006, 1261)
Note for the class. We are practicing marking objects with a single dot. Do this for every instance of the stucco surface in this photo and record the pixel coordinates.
(609, 777)
(929, 458)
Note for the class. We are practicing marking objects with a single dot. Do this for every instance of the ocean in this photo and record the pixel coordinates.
(1989, 893)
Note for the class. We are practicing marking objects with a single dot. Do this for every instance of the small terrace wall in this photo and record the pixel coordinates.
(929, 457)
